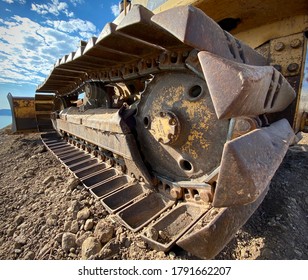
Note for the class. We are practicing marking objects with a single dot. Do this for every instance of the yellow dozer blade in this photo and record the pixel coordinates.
(23, 113)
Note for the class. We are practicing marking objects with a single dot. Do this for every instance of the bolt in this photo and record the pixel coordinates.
(172, 121)
(293, 67)
(243, 125)
(206, 195)
(162, 114)
(279, 46)
(176, 193)
(295, 43)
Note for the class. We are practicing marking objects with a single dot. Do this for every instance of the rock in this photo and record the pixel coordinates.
(109, 250)
(75, 206)
(103, 231)
(141, 244)
(306, 200)
(90, 247)
(18, 220)
(19, 241)
(68, 241)
(72, 183)
(30, 172)
(88, 224)
(172, 255)
(10, 231)
(122, 237)
(119, 231)
(127, 243)
(152, 233)
(29, 256)
(51, 222)
(83, 214)
(72, 255)
(67, 225)
(44, 250)
(58, 237)
(48, 179)
(83, 237)
(74, 227)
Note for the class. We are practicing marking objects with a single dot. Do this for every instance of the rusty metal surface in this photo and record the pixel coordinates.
(174, 102)
(119, 48)
(243, 90)
(123, 197)
(249, 163)
(140, 213)
(163, 234)
(23, 113)
(216, 228)
(197, 30)
(138, 24)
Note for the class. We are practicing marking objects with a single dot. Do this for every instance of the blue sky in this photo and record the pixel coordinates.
(34, 34)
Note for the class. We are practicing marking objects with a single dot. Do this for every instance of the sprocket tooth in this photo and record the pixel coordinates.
(238, 89)
(137, 23)
(199, 31)
(249, 163)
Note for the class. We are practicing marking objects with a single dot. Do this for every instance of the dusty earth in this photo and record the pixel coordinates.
(45, 214)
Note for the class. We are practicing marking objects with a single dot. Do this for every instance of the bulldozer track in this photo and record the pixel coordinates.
(134, 205)
(170, 151)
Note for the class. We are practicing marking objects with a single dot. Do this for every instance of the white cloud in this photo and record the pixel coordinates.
(76, 2)
(115, 9)
(13, 1)
(28, 49)
(55, 8)
(85, 28)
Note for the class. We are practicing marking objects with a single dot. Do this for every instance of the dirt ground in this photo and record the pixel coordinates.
(45, 214)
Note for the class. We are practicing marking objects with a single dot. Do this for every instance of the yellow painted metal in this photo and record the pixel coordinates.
(23, 114)
(257, 36)
(257, 20)
(175, 3)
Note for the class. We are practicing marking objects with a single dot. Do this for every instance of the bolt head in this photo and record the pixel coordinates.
(279, 46)
(293, 67)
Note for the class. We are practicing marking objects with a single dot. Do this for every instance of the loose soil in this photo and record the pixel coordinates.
(44, 214)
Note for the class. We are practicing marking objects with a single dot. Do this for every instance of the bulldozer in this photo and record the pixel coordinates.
(177, 116)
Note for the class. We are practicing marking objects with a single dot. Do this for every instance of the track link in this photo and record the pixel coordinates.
(133, 203)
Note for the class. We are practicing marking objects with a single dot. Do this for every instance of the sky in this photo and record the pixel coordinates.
(34, 34)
